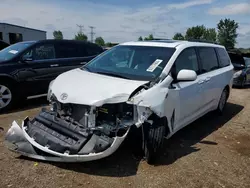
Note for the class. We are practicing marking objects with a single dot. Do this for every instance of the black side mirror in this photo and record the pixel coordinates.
(26, 59)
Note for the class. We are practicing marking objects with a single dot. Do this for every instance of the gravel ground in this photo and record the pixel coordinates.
(211, 152)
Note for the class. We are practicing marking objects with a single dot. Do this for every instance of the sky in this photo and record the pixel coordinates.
(126, 20)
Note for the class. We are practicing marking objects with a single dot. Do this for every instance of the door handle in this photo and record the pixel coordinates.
(54, 65)
(83, 63)
(207, 79)
(200, 81)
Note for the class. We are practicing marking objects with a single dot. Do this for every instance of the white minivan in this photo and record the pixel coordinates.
(160, 86)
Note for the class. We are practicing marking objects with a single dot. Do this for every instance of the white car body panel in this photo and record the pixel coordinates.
(88, 88)
(181, 103)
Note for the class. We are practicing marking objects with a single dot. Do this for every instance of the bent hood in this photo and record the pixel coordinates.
(82, 87)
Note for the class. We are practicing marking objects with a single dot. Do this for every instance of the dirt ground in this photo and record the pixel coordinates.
(211, 152)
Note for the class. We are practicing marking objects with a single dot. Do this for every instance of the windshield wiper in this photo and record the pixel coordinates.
(112, 74)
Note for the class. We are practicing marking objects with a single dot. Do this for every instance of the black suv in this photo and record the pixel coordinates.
(241, 69)
(26, 68)
(3, 44)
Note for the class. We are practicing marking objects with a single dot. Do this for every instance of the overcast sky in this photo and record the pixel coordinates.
(126, 20)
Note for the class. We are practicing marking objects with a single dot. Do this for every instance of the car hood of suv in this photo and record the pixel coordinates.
(81, 87)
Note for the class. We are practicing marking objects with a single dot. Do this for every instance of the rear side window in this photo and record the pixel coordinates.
(93, 49)
(187, 60)
(69, 50)
(43, 51)
(208, 58)
(223, 57)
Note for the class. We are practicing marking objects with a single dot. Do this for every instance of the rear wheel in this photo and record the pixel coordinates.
(223, 101)
(243, 82)
(153, 138)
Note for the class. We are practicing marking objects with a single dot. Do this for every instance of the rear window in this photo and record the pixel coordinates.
(93, 49)
(208, 57)
(70, 50)
(223, 57)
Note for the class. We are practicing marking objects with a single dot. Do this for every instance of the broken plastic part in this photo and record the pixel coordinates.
(22, 143)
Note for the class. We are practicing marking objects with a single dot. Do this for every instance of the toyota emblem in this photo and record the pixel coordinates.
(64, 96)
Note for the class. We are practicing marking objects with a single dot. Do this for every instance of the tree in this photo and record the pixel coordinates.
(140, 38)
(81, 36)
(58, 35)
(150, 37)
(178, 36)
(227, 32)
(196, 32)
(100, 41)
(210, 35)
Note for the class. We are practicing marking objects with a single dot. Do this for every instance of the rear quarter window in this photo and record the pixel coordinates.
(223, 56)
(208, 59)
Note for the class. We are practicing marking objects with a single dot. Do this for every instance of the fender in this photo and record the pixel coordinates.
(7, 76)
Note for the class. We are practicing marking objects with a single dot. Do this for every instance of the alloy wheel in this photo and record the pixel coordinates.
(5, 96)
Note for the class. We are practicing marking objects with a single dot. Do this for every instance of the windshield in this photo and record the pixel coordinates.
(13, 50)
(132, 62)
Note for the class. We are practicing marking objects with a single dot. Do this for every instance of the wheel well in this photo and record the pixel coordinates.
(159, 121)
(7, 79)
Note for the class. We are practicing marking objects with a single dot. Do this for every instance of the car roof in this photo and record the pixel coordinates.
(170, 43)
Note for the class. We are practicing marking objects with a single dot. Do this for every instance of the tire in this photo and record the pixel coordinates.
(153, 138)
(7, 96)
(243, 82)
(223, 101)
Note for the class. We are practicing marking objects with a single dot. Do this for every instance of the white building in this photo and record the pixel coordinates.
(13, 33)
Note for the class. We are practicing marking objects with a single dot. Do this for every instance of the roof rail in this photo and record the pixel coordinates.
(202, 40)
(161, 39)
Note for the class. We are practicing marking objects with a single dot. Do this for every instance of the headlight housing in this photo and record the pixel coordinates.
(50, 90)
(237, 74)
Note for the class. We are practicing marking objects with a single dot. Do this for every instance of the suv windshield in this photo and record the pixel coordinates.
(132, 62)
(13, 50)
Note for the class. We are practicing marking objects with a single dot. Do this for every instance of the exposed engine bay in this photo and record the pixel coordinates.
(92, 128)
(72, 129)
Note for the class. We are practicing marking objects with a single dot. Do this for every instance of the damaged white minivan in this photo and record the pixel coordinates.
(160, 86)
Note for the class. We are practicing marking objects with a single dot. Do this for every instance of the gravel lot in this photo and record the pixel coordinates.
(211, 152)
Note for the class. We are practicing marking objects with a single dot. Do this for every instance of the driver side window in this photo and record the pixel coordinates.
(187, 60)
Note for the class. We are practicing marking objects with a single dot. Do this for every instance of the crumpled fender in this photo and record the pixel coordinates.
(152, 99)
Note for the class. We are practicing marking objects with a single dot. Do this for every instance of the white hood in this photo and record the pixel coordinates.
(82, 87)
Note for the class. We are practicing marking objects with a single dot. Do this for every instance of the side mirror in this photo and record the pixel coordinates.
(186, 75)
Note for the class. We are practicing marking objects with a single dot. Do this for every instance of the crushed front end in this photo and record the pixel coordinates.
(72, 132)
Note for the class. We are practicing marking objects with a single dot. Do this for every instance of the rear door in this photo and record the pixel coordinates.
(71, 55)
(190, 93)
(40, 67)
(213, 76)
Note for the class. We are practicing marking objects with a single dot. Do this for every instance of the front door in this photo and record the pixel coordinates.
(40, 67)
(190, 93)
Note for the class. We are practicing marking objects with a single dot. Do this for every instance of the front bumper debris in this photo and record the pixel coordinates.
(51, 139)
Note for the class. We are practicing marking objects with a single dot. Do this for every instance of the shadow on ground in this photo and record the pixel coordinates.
(125, 161)
(28, 105)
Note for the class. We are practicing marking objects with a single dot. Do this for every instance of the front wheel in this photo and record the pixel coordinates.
(153, 138)
(6, 96)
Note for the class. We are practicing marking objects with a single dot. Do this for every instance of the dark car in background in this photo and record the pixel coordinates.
(3, 44)
(241, 69)
(27, 68)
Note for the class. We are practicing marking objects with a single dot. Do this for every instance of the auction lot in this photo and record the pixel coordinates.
(211, 152)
